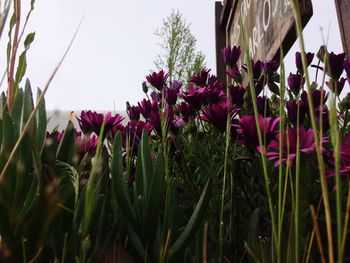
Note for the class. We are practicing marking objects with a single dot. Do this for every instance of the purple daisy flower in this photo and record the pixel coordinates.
(248, 132)
(194, 96)
(201, 79)
(292, 109)
(186, 111)
(216, 114)
(237, 95)
(289, 141)
(295, 82)
(85, 144)
(231, 55)
(299, 62)
(92, 121)
(336, 65)
(336, 86)
(134, 113)
(158, 79)
(146, 107)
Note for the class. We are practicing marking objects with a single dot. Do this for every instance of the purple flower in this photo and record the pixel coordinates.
(234, 74)
(322, 112)
(295, 82)
(336, 65)
(134, 113)
(54, 137)
(289, 143)
(237, 95)
(146, 107)
(292, 109)
(248, 132)
(201, 79)
(214, 93)
(344, 158)
(216, 114)
(270, 66)
(170, 94)
(257, 67)
(263, 104)
(132, 134)
(85, 144)
(158, 80)
(156, 96)
(155, 121)
(194, 96)
(336, 86)
(176, 85)
(299, 62)
(231, 55)
(92, 121)
(186, 111)
(318, 97)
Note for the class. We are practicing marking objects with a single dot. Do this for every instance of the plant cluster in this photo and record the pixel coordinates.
(255, 171)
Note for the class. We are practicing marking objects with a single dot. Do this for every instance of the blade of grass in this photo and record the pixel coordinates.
(335, 139)
(317, 233)
(281, 132)
(38, 103)
(346, 220)
(227, 145)
(317, 138)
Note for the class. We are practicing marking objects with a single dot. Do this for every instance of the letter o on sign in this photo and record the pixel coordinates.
(266, 14)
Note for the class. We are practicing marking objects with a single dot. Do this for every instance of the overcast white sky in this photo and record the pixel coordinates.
(116, 47)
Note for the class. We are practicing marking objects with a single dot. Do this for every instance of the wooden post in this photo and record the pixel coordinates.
(343, 12)
(220, 44)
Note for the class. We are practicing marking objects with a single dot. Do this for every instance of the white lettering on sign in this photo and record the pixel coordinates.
(259, 18)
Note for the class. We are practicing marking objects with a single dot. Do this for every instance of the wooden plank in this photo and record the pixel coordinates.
(269, 24)
(220, 44)
(343, 12)
(225, 13)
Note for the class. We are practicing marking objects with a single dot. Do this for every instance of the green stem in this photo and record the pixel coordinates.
(297, 189)
(227, 144)
(256, 115)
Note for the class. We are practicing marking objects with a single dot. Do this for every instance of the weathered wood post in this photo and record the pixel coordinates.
(343, 12)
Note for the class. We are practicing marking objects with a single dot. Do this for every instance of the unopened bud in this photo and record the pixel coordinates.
(144, 87)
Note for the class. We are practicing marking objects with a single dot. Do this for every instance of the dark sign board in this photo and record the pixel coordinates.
(343, 12)
(269, 24)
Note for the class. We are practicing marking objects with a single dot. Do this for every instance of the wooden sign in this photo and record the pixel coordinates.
(343, 12)
(269, 24)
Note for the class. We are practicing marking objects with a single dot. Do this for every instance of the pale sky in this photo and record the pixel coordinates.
(115, 47)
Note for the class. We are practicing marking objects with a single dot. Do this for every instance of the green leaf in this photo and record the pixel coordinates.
(170, 210)
(21, 68)
(41, 123)
(29, 40)
(16, 112)
(253, 236)
(118, 182)
(154, 201)
(193, 224)
(66, 150)
(27, 104)
(22, 61)
(136, 241)
(147, 165)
